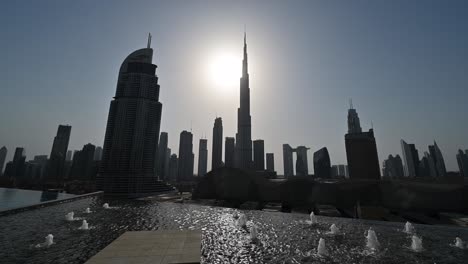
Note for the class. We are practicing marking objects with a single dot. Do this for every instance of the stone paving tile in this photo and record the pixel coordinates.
(152, 247)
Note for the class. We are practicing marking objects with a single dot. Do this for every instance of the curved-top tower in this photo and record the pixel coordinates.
(131, 139)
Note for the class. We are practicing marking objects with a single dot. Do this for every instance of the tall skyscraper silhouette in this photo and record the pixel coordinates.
(131, 140)
(229, 146)
(202, 157)
(185, 172)
(98, 154)
(462, 160)
(217, 150)
(3, 153)
(361, 150)
(161, 156)
(393, 167)
(322, 164)
(438, 159)
(16, 168)
(83, 164)
(173, 168)
(302, 163)
(259, 154)
(288, 161)
(411, 158)
(270, 162)
(243, 157)
(56, 166)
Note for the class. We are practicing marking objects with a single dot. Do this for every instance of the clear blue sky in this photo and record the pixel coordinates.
(404, 64)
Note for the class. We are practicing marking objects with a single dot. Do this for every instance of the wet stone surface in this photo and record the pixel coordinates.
(282, 238)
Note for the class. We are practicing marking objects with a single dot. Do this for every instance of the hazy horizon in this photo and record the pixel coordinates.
(403, 64)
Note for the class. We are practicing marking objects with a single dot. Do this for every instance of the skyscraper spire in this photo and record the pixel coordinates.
(244, 61)
(149, 41)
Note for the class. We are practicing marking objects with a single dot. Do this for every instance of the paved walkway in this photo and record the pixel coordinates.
(152, 247)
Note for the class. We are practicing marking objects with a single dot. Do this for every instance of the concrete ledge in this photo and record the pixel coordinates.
(49, 203)
(158, 247)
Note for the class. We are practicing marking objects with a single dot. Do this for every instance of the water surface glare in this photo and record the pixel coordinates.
(280, 237)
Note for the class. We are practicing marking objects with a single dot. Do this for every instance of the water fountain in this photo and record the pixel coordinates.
(372, 242)
(242, 221)
(334, 229)
(416, 244)
(69, 216)
(235, 215)
(321, 249)
(49, 240)
(409, 228)
(105, 206)
(88, 211)
(459, 243)
(313, 218)
(84, 225)
(253, 232)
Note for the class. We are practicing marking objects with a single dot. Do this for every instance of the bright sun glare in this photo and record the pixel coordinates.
(225, 71)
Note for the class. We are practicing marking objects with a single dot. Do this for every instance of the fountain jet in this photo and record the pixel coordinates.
(84, 225)
(49, 240)
(253, 232)
(459, 242)
(242, 221)
(409, 228)
(416, 244)
(69, 216)
(88, 211)
(321, 249)
(372, 242)
(334, 229)
(313, 218)
(105, 206)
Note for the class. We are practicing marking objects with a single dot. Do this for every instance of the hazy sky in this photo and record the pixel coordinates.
(404, 64)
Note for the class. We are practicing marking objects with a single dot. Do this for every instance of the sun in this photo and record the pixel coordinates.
(225, 71)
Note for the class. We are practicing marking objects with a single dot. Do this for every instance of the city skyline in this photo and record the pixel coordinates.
(310, 130)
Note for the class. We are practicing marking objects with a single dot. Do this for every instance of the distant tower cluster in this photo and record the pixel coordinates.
(302, 167)
(392, 167)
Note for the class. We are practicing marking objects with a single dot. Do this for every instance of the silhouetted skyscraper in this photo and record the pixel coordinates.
(16, 168)
(42, 161)
(438, 159)
(185, 157)
(98, 154)
(288, 161)
(270, 162)
(361, 150)
(56, 167)
(217, 152)
(69, 155)
(302, 163)
(354, 125)
(166, 166)
(411, 158)
(339, 171)
(3, 153)
(322, 164)
(243, 156)
(131, 140)
(83, 164)
(202, 157)
(431, 167)
(161, 156)
(393, 167)
(462, 160)
(259, 155)
(229, 147)
(173, 168)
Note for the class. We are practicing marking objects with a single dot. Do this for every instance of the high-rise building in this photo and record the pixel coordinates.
(270, 162)
(288, 161)
(217, 152)
(361, 150)
(243, 156)
(438, 159)
(3, 154)
(97, 154)
(393, 167)
(41, 160)
(131, 140)
(322, 164)
(462, 160)
(166, 166)
(259, 155)
(83, 164)
(339, 171)
(411, 158)
(185, 172)
(302, 163)
(56, 167)
(161, 156)
(16, 169)
(229, 147)
(202, 157)
(431, 167)
(173, 168)
(354, 125)
(69, 155)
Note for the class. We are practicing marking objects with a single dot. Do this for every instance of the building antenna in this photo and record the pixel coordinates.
(350, 103)
(149, 41)
(372, 125)
(190, 126)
